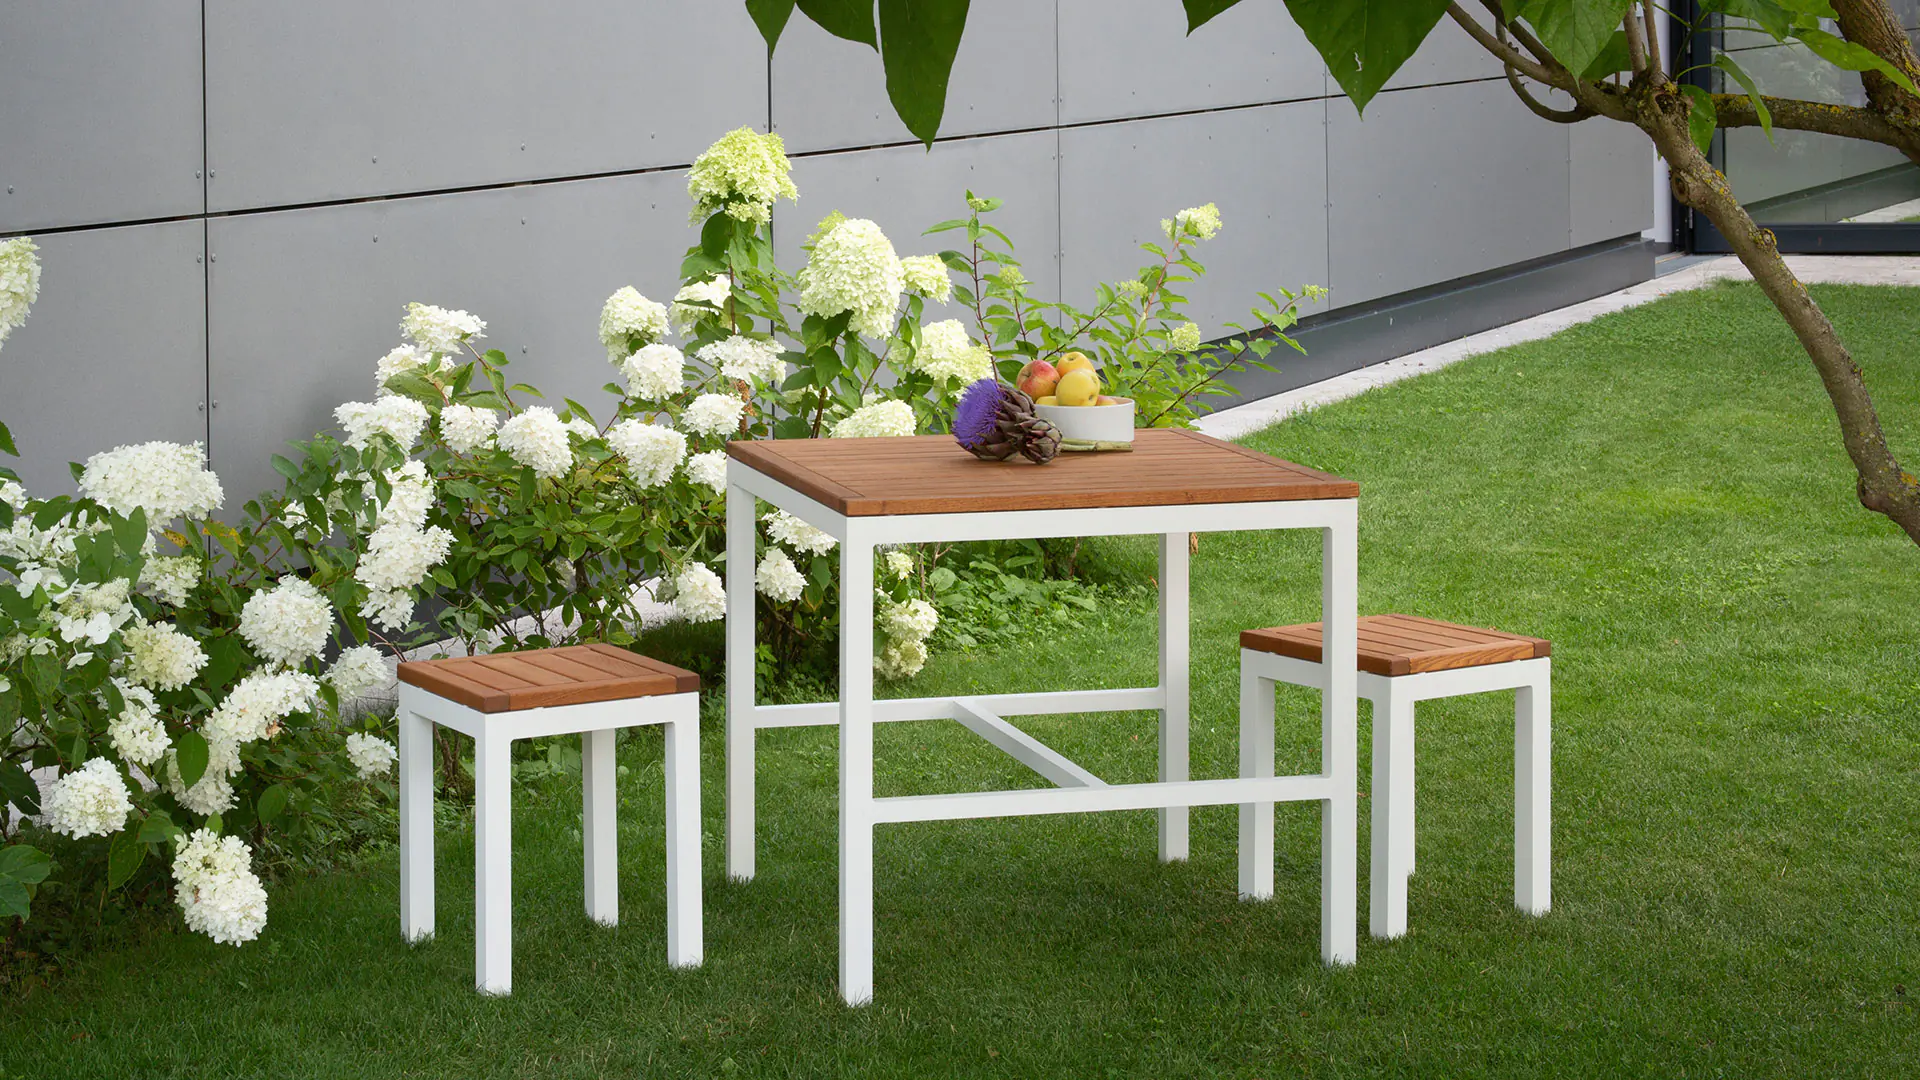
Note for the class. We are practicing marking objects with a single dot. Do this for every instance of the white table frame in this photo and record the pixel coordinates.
(1079, 791)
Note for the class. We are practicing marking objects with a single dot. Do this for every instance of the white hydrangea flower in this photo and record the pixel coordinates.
(257, 704)
(713, 414)
(748, 359)
(698, 594)
(1184, 338)
(879, 419)
(359, 668)
(655, 373)
(137, 734)
(581, 427)
(160, 657)
(1200, 221)
(710, 470)
(685, 315)
(652, 451)
(777, 578)
(853, 268)
(391, 609)
(170, 578)
(89, 801)
(899, 564)
(398, 557)
(900, 658)
(217, 889)
(537, 439)
(926, 275)
(629, 321)
(287, 623)
(399, 361)
(402, 418)
(797, 534)
(91, 612)
(19, 282)
(371, 756)
(946, 352)
(742, 173)
(913, 618)
(167, 480)
(439, 330)
(466, 427)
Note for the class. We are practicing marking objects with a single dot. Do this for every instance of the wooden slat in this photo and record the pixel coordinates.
(1403, 644)
(931, 475)
(539, 678)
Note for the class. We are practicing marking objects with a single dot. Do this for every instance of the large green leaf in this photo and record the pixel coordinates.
(918, 41)
(1199, 11)
(124, 857)
(850, 19)
(6, 442)
(1575, 31)
(1842, 53)
(1725, 62)
(771, 17)
(1701, 116)
(1365, 41)
(190, 754)
(18, 788)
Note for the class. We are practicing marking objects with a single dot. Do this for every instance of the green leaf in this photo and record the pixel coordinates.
(43, 674)
(285, 468)
(1725, 62)
(18, 788)
(1365, 41)
(1613, 58)
(715, 235)
(1199, 11)
(124, 857)
(1575, 31)
(6, 442)
(190, 750)
(1700, 117)
(771, 17)
(158, 828)
(1770, 17)
(24, 864)
(131, 532)
(15, 900)
(849, 19)
(919, 40)
(1842, 53)
(271, 802)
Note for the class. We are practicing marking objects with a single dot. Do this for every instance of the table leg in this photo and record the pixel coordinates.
(1256, 760)
(493, 863)
(1533, 798)
(1392, 796)
(416, 818)
(1175, 555)
(685, 934)
(1339, 741)
(598, 830)
(740, 662)
(856, 771)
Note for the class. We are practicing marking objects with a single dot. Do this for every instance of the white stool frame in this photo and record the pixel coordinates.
(493, 735)
(1393, 698)
(1078, 791)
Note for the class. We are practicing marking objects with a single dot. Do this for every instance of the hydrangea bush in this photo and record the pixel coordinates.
(173, 679)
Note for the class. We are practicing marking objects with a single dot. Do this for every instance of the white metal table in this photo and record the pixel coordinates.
(871, 492)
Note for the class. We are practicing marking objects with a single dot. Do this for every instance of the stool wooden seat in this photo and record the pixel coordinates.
(591, 690)
(1403, 659)
(1404, 644)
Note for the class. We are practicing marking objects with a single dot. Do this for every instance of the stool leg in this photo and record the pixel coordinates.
(1392, 815)
(1339, 741)
(1175, 558)
(685, 938)
(1533, 798)
(1256, 760)
(598, 828)
(416, 820)
(492, 870)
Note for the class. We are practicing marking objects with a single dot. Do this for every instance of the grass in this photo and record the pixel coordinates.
(1737, 778)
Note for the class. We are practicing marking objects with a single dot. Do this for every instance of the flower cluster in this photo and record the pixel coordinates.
(777, 578)
(905, 627)
(713, 414)
(89, 801)
(360, 668)
(439, 331)
(166, 480)
(699, 300)
(371, 755)
(947, 354)
(698, 594)
(746, 359)
(1199, 222)
(160, 657)
(741, 175)
(926, 275)
(652, 452)
(287, 623)
(853, 269)
(537, 439)
(876, 419)
(19, 282)
(629, 321)
(401, 419)
(217, 889)
(655, 372)
(467, 427)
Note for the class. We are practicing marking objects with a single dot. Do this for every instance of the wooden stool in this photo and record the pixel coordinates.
(588, 689)
(1404, 659)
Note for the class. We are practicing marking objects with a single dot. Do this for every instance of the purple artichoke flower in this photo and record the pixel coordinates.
(979, 406)
(994, 421)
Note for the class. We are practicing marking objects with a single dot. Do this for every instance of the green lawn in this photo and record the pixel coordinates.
(1737, 785)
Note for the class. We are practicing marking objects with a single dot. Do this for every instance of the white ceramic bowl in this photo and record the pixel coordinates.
(1097, 423)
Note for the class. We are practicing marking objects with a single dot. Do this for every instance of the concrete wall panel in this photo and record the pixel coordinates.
(1126, 58)
(113, 353)
(1440, 183)
(353, 98)
(1264, 168)
(1610, 186)
(99, 112)
(304, 302)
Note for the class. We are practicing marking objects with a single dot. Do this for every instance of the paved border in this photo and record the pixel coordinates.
(1246, 419)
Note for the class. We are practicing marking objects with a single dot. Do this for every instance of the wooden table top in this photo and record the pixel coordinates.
(931, 474)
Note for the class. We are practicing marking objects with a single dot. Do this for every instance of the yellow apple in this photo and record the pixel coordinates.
(1073, 361)
(1048, 400)
(1078, 387)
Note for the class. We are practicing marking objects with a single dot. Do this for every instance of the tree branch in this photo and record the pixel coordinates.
(1655, 62)
(1636, 45)
(1846, 121)
(1523, 36)
(1507, 53)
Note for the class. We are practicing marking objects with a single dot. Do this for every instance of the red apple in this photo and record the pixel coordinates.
(1037, 378)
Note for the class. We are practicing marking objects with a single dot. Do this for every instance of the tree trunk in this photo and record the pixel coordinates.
(1882, 486)
(1872, 24)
